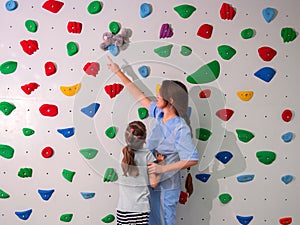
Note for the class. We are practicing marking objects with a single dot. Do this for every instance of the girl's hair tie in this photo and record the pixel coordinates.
(131, 130)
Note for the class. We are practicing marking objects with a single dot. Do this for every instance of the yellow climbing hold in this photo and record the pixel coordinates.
(245, 95)
(157, 89)
(70, 90)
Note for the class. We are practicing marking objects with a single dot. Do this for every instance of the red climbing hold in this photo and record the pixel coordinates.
(113, 90)
(74, 27)
(47, 152)
(227, 12)
(28, 88)
(285, 221)
(50, 68)
(287, 115)
(205, 31)
(266, 53)
(205, 93)
(183, 197)
(91, 68)
(53, 5)
(224, 114)
(29, 46)
(49, 110)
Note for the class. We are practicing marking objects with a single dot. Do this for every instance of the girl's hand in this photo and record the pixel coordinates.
(154, 168)
(112, 66)
(159, 157)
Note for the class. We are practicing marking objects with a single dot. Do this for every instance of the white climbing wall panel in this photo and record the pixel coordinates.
(270, 196)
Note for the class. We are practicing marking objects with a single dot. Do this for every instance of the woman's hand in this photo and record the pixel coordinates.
(154, 168)
(112, 66)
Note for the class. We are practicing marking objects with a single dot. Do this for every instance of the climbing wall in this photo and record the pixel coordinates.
(63, 113)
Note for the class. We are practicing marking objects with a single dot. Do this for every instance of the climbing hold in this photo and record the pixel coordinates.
(164, 51)
(287, 137)
(11, 5)
(94, 7)
(244, 135)
(285, 220)
(268, 14)
(205, 74)
(91, 68)
(25, 172)
(87, 195)
(67, 132)
(225, 114)
(205, 31)
(226, 52)
(185, 11)
(6, 151)
(29, 46)
(66, 217)
(288, 34)
(110, 175)
(8, 67)
(53, 6)
(245, 178)
(47, 152)
(205, 93)
(3, 194)
(287, 179)
(70, 90)
(24, 215)
(224, 156)
(185, 50)
(28, 88)
(6, 108)
(49, 110)
(286, 115)
(145, 10)
(74, 27)
(183, 197)
(203, 177)
(227, 12)
(89, 153)
(113, 49)
(108, 218)
(266, 74)
(68, 175)
(165, 31)
(114, 27)
(113, 89)
(245, 95)
(46, 194)
(203, 134)
(91, 109)
(111, 132)
(266, 157)
(72, 48)
(266, 53)
(244, 220)
(50, 68)
(143, 113)
(144, 71)
(31, 26)
(28, 131)
(225, 198)
(247, 33)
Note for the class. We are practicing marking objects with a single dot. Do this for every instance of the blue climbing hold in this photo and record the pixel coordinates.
(268, 14)
(24, 215)
(224, 156)
(287, 179)
(203, 177)
(144, 71)
(287, 137)
(87, 195)
(244, 220)
(113, 49)
(67, 132)
(46, 194)
(145, 10)
(245, 178)
(91, 109)
(11, 5)
(266, 74)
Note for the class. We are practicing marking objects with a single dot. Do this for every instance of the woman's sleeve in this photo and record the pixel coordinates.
(153, 110)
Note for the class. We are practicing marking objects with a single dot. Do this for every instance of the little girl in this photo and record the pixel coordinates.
(133, 206)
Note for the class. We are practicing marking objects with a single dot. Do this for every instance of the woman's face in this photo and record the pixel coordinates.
(160, 102)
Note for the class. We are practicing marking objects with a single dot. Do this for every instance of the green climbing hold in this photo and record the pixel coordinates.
(225, 198)
(244, 135)
(89, 153)
(164, 51)
(66, 217)
(94, 7)
(25, 172)
(68, 175)
(247, 33)
(185, 51)
(108, 219)
(143, 113)
(110, 175)
(72, 48)
(266, 157)
(6, 151)
(111, 132)
(3, 194)
(203, 134)
(8, 67)
(226, 52)
(31, 26)
(6, 108)
(205, 74)
(28, 131)
(114, 27)
(185, 11)
(288, 34)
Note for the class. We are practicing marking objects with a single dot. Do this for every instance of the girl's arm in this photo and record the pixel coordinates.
(154, 178)
(159, 169)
